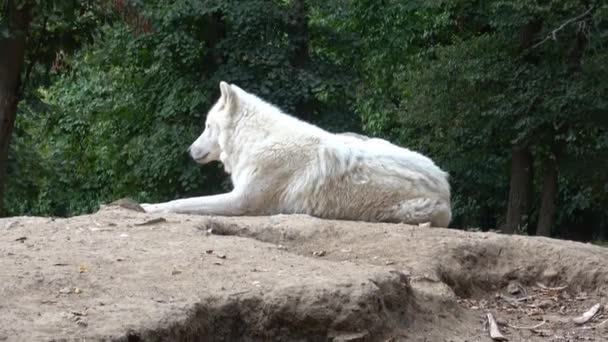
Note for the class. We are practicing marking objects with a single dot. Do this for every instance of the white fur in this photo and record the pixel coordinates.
(280, 164)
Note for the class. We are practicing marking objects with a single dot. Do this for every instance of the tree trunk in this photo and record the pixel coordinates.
(300, 59)
(520, 192)
(12, 56)
(520, 189)
(546, 216)
(550, 189)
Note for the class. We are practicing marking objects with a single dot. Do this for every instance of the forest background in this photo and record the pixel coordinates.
(100, 99)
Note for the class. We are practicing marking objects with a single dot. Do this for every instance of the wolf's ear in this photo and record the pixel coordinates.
(229, 97)
(225, 90)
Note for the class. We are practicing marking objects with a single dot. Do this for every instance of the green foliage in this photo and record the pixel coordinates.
(123, 114)
(452, 79)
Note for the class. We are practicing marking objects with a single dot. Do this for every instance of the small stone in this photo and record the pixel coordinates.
(550, 273)
(176, 272)
(127, 203)
(319, 253)
(514, 288)
(221, 256)
(65, 290)
(81, 321)
(351, 337)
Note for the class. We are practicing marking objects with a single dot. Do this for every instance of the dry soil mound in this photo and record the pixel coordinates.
(125, 275)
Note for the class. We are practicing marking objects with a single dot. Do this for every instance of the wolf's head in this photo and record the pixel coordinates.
(207, 148)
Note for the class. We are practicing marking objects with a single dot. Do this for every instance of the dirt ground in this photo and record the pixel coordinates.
(129, 276)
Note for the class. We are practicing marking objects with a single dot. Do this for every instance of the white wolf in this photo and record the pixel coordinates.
(281, 165)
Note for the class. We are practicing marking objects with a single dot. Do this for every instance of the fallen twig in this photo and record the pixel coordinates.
(152, 221)
(494, 332)
(588, 315)
(547, 288)
(529, 328)
(553, 34)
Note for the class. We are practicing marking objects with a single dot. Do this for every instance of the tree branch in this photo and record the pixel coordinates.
(553, 34)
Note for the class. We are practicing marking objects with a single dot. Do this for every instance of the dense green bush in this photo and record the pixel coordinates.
(465, 82)
(117, 122)
(459, 81)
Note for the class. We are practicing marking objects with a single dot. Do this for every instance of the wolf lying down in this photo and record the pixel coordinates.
(281, 165)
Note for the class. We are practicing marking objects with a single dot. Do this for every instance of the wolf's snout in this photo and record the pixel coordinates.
(198, 153)
(203, 157)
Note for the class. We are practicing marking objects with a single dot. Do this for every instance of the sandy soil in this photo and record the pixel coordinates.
(128, 276)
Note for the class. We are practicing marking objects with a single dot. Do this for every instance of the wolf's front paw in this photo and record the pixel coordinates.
(152, 208)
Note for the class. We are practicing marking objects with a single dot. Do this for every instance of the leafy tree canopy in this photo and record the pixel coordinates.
(119, 89)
